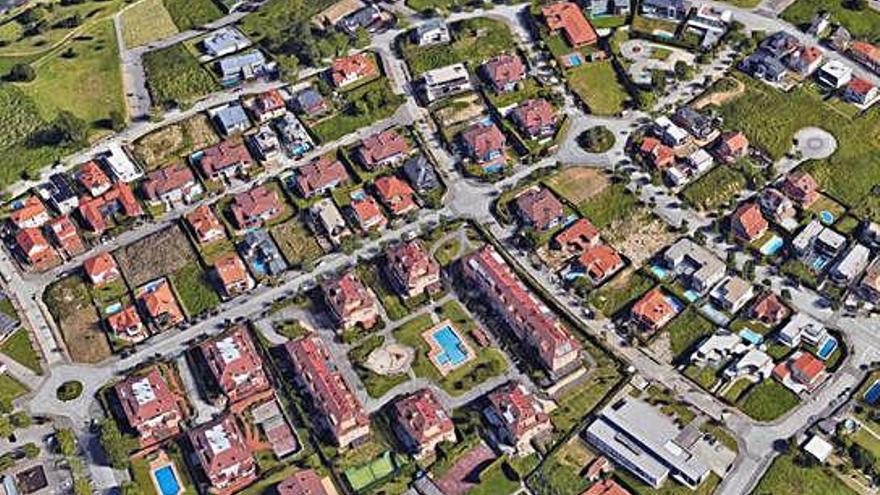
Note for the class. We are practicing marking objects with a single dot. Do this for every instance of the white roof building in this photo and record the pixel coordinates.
(120, 165)
(819, 448)
(851, 265)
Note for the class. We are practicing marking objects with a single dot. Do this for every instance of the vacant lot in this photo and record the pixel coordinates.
(639, 235)
(686, 330)
(297, 244)
(194, 289)
(464, 108)
(715, 189)
(145, 22)
(155, 256)
(864, 23)
(175, 142)
(623, 289)
(785, 476)
(18, 346)
(474, 41)
(69, 302)
(612, 204)
(59, 21)
(578, 184)
(768, 400)
(597, 85)
(364, 105)
(188, 14)
(175, 77)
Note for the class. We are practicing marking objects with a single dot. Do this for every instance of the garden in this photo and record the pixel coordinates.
(787, 475)
(473, 42)
(18, 347)
(598, 87)
(862, 23)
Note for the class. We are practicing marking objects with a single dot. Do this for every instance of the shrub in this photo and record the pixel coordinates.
(70, 390)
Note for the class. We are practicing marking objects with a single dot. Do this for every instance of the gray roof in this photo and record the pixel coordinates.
(231, 117)
(234, 64)
(420, 173)
(430, 25)
(258, 244)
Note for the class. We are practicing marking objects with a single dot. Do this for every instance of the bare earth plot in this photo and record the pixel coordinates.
(70, 304)
(155, 256)
(639, 237)
(578, 184)
(174, 142)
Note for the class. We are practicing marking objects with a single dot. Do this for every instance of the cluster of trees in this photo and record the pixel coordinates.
(66, 130)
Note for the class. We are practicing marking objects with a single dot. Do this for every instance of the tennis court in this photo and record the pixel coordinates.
(365, 475)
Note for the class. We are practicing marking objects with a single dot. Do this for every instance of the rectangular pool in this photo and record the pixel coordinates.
(454, 352)
(772, 246)
(828, 348)
(167, 480)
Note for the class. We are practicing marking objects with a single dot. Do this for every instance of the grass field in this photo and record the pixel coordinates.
(714, 189)
(671, 487)
(69, 302)
(175, 77)
(194, 289)
(785, 476)
(174, 143)
(861, 23)
(376, 97)
(623, 289)
(474, 41)
(768, 400)
(187, 14)
(770, 119)
(611, 204)
(58, 25)
(297, 244)
(686, 330)
(18, 346)
(597, 85)
(10, 388)
(576, 403)
(145, 22)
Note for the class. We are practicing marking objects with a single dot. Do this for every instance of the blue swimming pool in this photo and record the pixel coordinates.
(574, 60)
(873, 393)
(691, 295)
(826, 217)
(819, 263)
(167, 480)
(751, 336)
(454, 352)
(772, 246)
(659, 272)
(827, 348)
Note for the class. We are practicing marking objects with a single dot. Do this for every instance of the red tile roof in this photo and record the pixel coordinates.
(205, 224)
(222, 156)
(482, 139)
(860, 86)
(235, 365)
(661, 155)
(93, 210)
(411, 262)
(395, 194)
(35, 247)
(165, 180)
(734, 144)
(145, 398)
(269, 101)
(801, 187)
(330, 394)
(382, 146)
(92, 177)
(161, 305)
(748, 222)
(346, 294)
(223, 452)
(28, 212)
(606, 487)
(101, 268)
(422, 417)
(770, 309)
(808, 366)
(535, 115)
(518, 409)
(580, 235)
(539, 208)
(253, 208)
(653, 309)
(305, 482)
(66, 235)
(567, 17)
(360, 66)
(368, 213)
(320, 173)
(600, 261)
(231, 271)
(504, 69)
(866, 52)
(124, 320)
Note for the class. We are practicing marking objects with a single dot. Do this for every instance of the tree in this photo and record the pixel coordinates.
(30, 450)
(658, 80)
(131, 488)
(6, 461)
(683, 71)
(21, 73)
(117, 120)
(21, 420)
(116, 445)
(646, 100)
(786, 294)
(6, 428)
(66, 442)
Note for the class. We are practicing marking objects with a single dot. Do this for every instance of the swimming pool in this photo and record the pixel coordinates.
(453, 352)
(826, 217)
(167, 480)
(827, 348)
(819, 263)
(691, 295)
(574, 60)
(772, 246)
(659, 272)
(751, 336)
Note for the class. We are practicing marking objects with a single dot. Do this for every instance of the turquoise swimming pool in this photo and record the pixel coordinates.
(454, 352)
(772, 246)
(826, 217)
(167, 480)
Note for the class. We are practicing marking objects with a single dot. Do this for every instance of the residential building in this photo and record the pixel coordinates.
(421, 423)
(63, 233)
(763, 65)
(577, 237)
(710, 23)
(310, 102)
(35, 249)
(446, 81)
(223, 454)
(262, 254)
(329, 219)
(869, 287)
(801, 188)
(29, 214)
(671, 10)
(205, 225)
(302, 482)
(58, 193)
(816, 238)
(126, 325)
(350, 301)
(516, 417)
(431, 32)
(781, 44)
(860, 92)
(230, 119)
(805, 61)
(382, 149)
(224, 160)
(539, 209)
(747, 222)
(349, 70)
(567, 18)
(232, 275)
(158, 302)
(234, 365)
(421, 174)
(224, 41)
(658, 154)
(754, 364)
(698, 268)
(256, 207)
(851, 265)
(264, 144)
(101, 269)
(93, 178)
(697, 124)
(801, 327)
(172, 185)
(485, 144)
(266, 106)
(150, 407)
(732, 294)
(800, 372)
(669, 133)
(869, 234)
(776, 205)
(731, 147)
(395, 194)
(606, 487)
(293, 135)
(368, 17)
(653, 311)
(600, 8)
(769, 310)
(116, 161)
(867, 54)
(339, 412)
(600, 263)
(718, 349)
(647, 443)
(531, 321)
(411, 269)
(245, 66)
(502, 72)
(535, 118)
(119, 200)
(834, 74)
(840, 39)
(320, 176)
(819, 24)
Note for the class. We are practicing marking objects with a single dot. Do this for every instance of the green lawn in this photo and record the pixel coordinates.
(371, 276)
(597, 85)
(768, 400)
(474, 41)
(576, 403)
(623, 289)
(10, 388)
(706, 377)
(194, 289)
(770, 119)
(188, 14)
(525, 90)
(494, 481)
(175, 77)
(736, 390)
(861, 23)
(364, 105)
(785, 476)
(686, 330)
(18, 346)
(146, 21)
(716, 188)
(611, 204)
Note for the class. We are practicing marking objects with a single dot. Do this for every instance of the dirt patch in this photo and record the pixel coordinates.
(578, 184)
(70, 304)
(460, 110)
(175, 142)
(639, 237)
(718, 98)
(155, 256)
